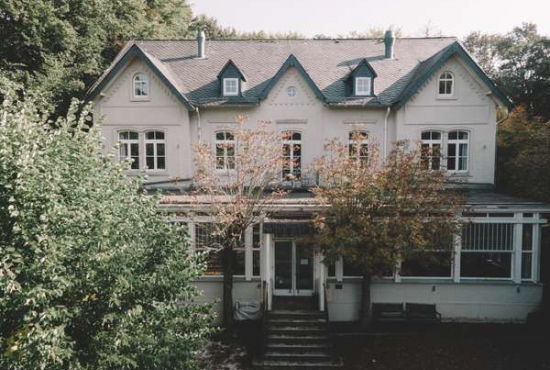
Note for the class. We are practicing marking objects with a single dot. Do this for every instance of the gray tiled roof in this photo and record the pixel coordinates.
(328, 63)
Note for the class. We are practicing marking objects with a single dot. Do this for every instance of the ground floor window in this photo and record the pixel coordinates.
(428, 264)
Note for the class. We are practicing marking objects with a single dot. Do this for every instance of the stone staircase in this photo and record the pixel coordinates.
(297, 339)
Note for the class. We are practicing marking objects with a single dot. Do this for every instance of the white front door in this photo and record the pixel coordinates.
(293, 269)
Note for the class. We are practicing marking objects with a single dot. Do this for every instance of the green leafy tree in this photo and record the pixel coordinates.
(524, 156)
(61, 47)
(379, 213)
(91, 275)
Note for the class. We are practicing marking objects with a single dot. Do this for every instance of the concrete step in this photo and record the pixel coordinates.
(298, 348)
(297, 322)
(299, 331)
(297, 340)
(294, 365)
(297, 357)
(295, 314)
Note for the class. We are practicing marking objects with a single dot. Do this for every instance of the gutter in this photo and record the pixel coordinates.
(199, 124)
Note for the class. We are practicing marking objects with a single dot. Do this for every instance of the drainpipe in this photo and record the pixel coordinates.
(198, 124)
(386, 133)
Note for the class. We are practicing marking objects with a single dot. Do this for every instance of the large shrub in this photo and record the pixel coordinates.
(91, 275)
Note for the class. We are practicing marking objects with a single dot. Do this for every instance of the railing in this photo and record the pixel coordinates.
(264, 308)
(327, 315)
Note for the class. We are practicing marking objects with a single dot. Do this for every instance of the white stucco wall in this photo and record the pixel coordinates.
(475, 301)
(163, 111)
(471, 109)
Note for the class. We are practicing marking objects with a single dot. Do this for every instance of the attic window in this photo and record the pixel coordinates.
(230, 86)
(363, 86)
(446, 85)
(141, 86)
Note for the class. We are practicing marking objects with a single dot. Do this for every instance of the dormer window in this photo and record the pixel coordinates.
(360, 82)
(230, 86)
(446, 85)
(363, 86)
(231, 80)
(140, 86)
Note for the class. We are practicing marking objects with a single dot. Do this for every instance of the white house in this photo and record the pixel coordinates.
(160, 97)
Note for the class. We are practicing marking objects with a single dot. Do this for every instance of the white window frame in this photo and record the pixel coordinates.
(431, 142)
(155, 142)
(145, 86)
(128, 143)
(227, 82)
(353, 145)
(457, 142)
(287, 140)
(364, 80)
(225, 143)
(446, 77)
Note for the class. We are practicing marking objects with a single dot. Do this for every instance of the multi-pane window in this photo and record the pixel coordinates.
(487, 250)
(208, 241)
(527, 252)
(433, 262)
(457, 151)
(431, 150)
(446, 84)
(230, 86)
(140, 86)
(292, 153)
(225, 150)
(129, 147)
(155, 150)
(363, 86)
(359, 145)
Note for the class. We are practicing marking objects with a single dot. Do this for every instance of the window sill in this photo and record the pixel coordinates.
(137, 100)
(443, 97)
(156, 173)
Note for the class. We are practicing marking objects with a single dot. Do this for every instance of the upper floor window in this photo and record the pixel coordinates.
(457, 151)
(446, 85)
(431, 150)
(363, 86)
(230, 86)
(359, 145)
(129, 147)
(225, 150)
(292, 152)
(141, 86)
(155, 150)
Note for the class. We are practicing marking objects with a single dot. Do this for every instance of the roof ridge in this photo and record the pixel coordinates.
(299, 39)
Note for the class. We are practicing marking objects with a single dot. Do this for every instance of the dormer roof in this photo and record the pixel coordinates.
(231, 70)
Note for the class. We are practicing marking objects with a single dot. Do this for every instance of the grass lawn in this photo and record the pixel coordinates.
(446, 347)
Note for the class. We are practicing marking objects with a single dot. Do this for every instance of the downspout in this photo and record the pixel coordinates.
(198, 124)
(386, 132)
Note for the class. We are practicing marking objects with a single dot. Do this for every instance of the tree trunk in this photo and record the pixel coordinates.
(227, 267)
(365, 301)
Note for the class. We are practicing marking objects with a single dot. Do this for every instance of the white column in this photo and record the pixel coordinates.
(339, 270)
(248, 253)
(535, 260)
(518, 235)
(266, 268)
(322, 282)
(192, 235)
(457, 241)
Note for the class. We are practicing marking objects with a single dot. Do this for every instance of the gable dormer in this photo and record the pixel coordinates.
(231, 80)
(361, 80)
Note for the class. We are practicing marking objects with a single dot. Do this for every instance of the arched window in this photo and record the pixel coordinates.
(129, 147)
(431, 150)
(155, 150)
(359, 145)
(457, 151)
(141, 86)
(446, 84)
(225, 150)
(292, 152)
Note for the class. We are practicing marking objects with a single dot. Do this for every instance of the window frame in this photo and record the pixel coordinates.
(225, 143)
(146, 83)
(226, 81)
(457, 142)
(292, 164)
(431, 142)
(155, 142)
(359, 92)
(353, 145)
(128, 142)
(444, 79)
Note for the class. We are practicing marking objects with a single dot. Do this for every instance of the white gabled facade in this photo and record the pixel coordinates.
(291, 105)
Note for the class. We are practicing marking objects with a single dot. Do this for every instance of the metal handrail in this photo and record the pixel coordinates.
(327, 314)
(264, 307)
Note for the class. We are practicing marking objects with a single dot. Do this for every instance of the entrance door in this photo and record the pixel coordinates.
(293, 270)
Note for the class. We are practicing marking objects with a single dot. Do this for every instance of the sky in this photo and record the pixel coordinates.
(339, 17)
